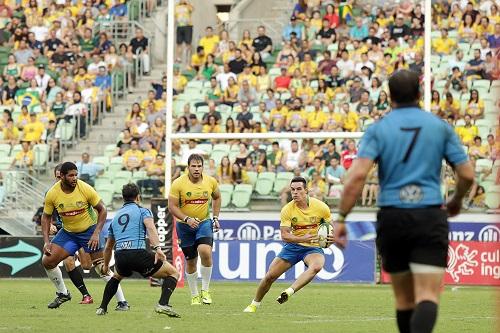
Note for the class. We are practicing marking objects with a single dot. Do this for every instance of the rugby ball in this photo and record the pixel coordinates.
(323, 232)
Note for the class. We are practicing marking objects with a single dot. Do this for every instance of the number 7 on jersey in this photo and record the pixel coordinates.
(416, 132)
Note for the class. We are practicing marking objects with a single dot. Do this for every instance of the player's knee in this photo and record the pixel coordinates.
(48, 263)
(270, 278)
(315, 268)
(175, 274)
(404, 301)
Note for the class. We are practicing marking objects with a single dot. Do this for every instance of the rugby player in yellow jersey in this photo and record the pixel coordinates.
(69, 263)
(75, 202)
(300, 219)
(188, 201)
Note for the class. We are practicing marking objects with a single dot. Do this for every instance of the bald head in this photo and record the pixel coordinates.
(404, 87)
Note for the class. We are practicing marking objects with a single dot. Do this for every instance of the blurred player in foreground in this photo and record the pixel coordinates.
(75, 202)
(127, 235)
(69, 263)
(300, 219)
(409, 146)
(188, 201)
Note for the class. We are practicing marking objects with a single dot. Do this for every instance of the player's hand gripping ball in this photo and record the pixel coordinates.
(323, 232)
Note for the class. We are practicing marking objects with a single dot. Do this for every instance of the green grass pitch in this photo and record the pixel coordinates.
(317, 308)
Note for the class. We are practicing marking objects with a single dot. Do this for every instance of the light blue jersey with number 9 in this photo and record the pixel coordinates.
(127, 227)
(409, 146)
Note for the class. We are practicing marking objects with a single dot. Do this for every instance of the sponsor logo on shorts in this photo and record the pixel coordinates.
(411, 194)
(196, 202)
(460, 261)
(72, 212)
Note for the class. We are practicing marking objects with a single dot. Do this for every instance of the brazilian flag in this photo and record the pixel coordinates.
(345, 12)
(29, 98)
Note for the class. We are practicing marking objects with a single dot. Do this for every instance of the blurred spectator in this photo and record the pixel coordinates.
(88, 171)
(349, 155)
(133, 157)
(156, 176)
(184, 29)
(24, 158)
(262, 43)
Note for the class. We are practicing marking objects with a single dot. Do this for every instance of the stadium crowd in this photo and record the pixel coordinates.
(56, 67)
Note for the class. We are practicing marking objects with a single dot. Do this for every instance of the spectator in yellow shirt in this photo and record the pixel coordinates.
(316, 118)
(24, 118)
(444, 45)
(477, 150)
(10, 133)
(180, 80)
(484, 28)
(467, 132)
(45, 116)
(304, 91)
(450, 106)
(277, 118)
(247, 75)
(149, 154)
(33, 131)
(351, 122)
(334, 120)
(211, 126)
(308, 67)
(209, 41)
(133, 158)
(199, 58)
(24, 158)
(158, 104)
(475, 105)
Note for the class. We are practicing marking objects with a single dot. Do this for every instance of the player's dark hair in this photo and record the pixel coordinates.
(130, 192)
(299, 179)
(67, 167)
(404, 87)
(195, 157)
(57, 168)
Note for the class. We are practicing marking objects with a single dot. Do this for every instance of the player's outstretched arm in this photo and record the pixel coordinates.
(355, 180)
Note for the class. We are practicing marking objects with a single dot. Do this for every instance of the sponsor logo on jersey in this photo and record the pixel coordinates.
(196, 202)
(308, 226)
(80, 204)
(411, 194)
(72, 212)
(205, 194)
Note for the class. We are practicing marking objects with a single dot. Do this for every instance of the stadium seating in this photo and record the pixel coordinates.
(241, 195)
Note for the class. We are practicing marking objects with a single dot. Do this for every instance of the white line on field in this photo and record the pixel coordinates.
(379, 319)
